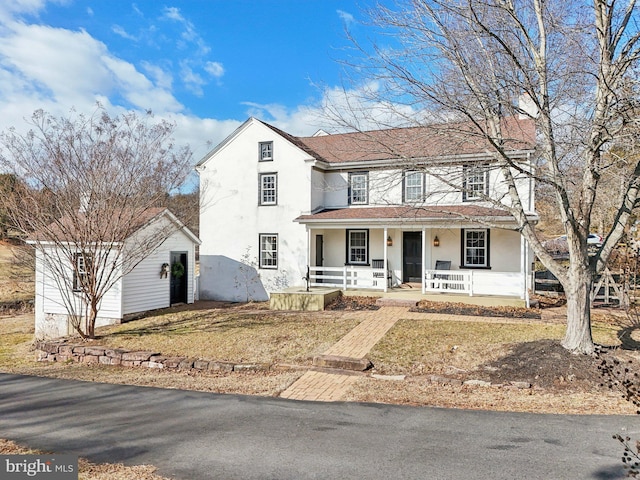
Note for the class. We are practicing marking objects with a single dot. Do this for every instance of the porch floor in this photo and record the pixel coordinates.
(407, 293)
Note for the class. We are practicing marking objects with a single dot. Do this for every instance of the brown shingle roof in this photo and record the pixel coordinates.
(415, 142)
(405, 212)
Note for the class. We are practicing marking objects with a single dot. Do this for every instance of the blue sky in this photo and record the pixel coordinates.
(206, 65)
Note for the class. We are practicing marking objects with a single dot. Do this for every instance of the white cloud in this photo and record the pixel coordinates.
(162, 77)
(215, 69)
(173, 13)
(191, 79)
(338, 110)
(120, 31)
(346, 17)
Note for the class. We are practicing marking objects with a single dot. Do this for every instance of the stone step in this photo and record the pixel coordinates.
(342, 363)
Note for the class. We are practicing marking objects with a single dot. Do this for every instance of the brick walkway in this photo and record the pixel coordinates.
(330, 387)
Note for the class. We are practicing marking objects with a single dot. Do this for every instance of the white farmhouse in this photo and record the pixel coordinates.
(367, 210)
(153, 267)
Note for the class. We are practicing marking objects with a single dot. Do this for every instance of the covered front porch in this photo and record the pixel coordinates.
(456, 258)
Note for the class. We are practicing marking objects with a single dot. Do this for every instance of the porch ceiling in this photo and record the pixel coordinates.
(401, 215)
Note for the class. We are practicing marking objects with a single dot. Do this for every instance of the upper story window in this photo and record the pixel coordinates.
(81, 269)
(413, 187)
(265, 151)
(268, 250)
(359, 188)
(268, 194)
(475, 184)
(475, 248)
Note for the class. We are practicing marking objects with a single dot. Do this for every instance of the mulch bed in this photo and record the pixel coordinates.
(450, 308)
(349, 303)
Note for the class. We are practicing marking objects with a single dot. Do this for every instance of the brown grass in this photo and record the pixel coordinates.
(441, 343)
(232, 334)
(88, 470)
(17, 274)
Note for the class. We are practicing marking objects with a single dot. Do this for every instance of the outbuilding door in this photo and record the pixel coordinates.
(179, 276)
(411, 257)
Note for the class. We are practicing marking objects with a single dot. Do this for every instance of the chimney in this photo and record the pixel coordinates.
(527, 107)
(85, 198)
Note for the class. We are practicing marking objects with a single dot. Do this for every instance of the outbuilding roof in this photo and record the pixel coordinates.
(117, 228)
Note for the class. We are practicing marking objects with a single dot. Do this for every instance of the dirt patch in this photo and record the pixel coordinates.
(546, 364)
(451, 308)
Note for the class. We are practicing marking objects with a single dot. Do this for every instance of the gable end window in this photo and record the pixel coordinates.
(265, 151)
(413, 187)
(358, 188)
(475, 248)
(269, 250)
(81, 269)
(475, 183)
(268, 194)
(357, 247)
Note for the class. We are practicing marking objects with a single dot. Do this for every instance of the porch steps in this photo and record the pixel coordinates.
(342, 363)
(396, 302)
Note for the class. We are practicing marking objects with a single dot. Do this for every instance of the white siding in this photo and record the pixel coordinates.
(140, 290)
(55, 298)
(144, 289)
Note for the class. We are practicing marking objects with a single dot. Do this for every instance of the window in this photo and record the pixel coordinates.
(268, 250)
(357, 247)
(475, 248)
(81, 269)
(475, 183)
(413, 187)
(268, 189)
(359, 188)
(265, 151)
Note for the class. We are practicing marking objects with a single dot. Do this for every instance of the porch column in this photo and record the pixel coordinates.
(524, 269)
(308, 252)
(384, 262)
(424, 257)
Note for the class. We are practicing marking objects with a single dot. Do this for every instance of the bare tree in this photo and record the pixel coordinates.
(568, 65)
(86, 195)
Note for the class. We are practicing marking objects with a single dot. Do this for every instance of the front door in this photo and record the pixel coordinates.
(411, 257)
(179, 277)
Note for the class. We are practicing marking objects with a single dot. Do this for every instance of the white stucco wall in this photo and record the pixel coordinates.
(231, 219)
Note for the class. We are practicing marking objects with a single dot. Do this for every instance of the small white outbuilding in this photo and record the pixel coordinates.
(152, 267)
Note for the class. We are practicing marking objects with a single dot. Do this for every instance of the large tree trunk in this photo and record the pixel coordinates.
(578, 338)
(91, 321)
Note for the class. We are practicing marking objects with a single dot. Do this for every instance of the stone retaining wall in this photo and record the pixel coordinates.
(63, 351)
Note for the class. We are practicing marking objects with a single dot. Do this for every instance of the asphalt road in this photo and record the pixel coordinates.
(192, 435)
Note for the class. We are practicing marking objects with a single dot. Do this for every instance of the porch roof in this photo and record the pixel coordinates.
(404, 214)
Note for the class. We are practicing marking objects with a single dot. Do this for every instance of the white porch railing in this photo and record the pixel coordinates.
(348, 277)
(475, 282)
(449, 281)
(466, 282)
